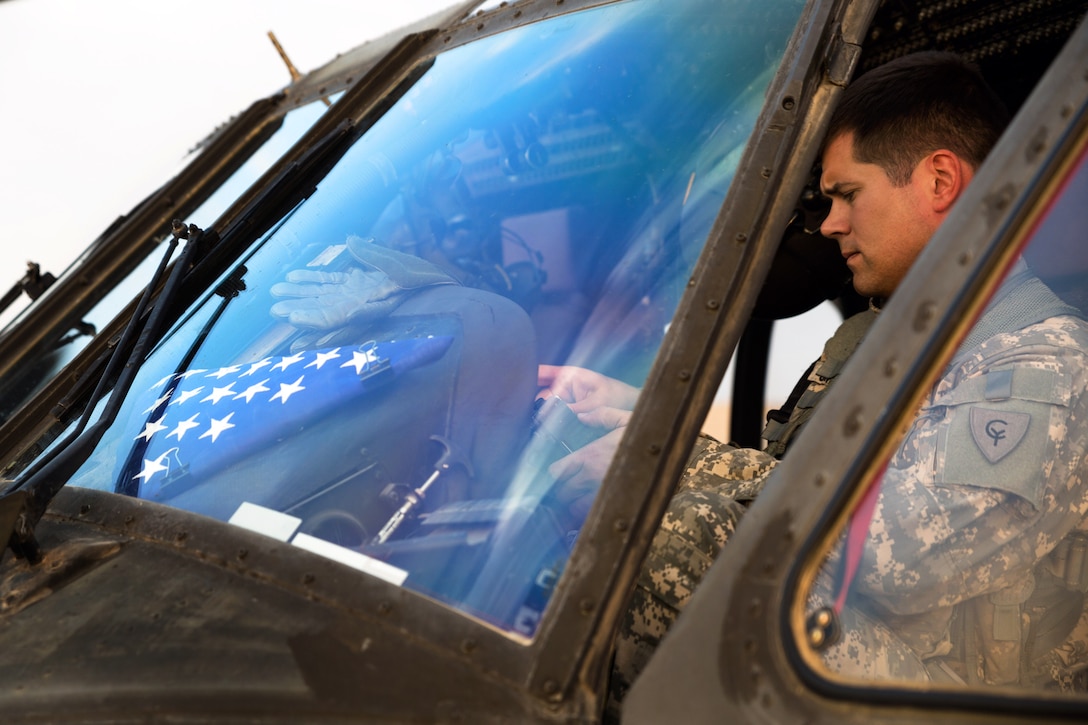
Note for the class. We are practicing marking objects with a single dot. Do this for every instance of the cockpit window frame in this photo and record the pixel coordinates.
(697, 349)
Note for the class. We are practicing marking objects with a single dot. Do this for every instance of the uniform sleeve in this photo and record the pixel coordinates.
(738, 473)
(987, 481)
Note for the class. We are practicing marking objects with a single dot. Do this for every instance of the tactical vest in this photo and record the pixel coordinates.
(785, 423)
(1025, 635)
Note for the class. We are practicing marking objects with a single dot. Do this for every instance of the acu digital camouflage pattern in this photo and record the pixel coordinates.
(713, 493)
(973, 570)
(972, 548)
(715, 489)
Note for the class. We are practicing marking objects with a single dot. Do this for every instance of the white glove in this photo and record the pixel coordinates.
(327, 300)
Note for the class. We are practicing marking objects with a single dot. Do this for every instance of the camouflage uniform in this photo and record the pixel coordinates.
(718, 484)
(958, 567)
(973, 552)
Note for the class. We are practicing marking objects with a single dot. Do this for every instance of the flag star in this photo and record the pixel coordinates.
(254, 367)
(151, 428)
(217, 426)
(223, 372)
(159, 401)
(288, 361)
(218, 394)
(184, 426)
(252, 390)
(190, 373)
(152, 467)
(162, 382)
(361, 360)
(286, 391)
(186, 394)
(324, 357)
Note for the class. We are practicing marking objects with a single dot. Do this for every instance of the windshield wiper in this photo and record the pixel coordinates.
(34, 283)
(23, 504)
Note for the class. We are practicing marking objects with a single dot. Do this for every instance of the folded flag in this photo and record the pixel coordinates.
(204, 420)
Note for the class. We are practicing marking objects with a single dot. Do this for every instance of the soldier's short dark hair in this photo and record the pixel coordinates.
(918, 103)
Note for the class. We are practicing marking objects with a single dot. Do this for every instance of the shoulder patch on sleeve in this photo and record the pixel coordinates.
(998, 432)
(1002, 446)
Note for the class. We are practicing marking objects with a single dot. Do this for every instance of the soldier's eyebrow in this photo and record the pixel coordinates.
(835, 190)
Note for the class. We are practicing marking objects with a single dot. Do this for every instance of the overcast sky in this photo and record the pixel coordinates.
(102, 100)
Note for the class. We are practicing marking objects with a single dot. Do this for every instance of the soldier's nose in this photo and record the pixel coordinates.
(834, 224)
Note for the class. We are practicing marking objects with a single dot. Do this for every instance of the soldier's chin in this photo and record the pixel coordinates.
(864, 287)
(860, 287)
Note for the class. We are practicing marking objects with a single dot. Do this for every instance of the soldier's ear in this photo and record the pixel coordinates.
(947, 176)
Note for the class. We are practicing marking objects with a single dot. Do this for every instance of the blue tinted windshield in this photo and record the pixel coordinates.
(538, 197)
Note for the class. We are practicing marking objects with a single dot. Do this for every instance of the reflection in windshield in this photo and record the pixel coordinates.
(969, 563)
(538, 197)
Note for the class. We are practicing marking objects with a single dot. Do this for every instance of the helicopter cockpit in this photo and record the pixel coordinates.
(362, 381)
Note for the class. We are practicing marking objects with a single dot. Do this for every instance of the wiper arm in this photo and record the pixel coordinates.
(24, 504)
(33, 283)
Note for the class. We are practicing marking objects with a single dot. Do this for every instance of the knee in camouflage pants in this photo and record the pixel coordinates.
(714, 492)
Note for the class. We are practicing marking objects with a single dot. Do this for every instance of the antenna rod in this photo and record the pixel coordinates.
(295, 75)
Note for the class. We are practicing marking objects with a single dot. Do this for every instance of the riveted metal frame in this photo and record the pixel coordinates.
(695, 353)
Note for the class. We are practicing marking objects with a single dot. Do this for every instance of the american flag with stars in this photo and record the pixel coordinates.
(203, 420)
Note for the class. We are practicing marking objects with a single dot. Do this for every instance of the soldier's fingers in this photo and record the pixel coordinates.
(565, 468)
(557, 379)
(605, 417)
(546, 374)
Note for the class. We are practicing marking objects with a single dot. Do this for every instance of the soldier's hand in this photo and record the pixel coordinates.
(579, 474)
(586, 391)
(598, 401)
(326, 300)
